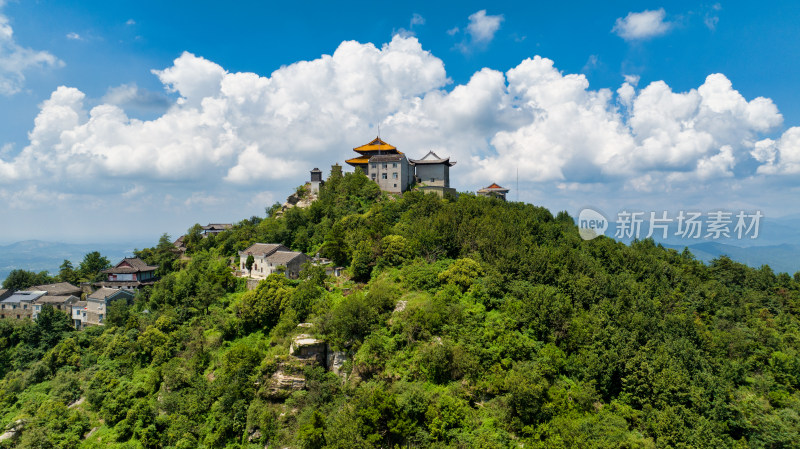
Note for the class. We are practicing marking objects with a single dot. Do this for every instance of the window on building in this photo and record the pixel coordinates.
(394, 165)
(394, 175)
(383, 175)
(373, 165)
(432, 180)
(385, 165)
(373, 176)
(395, 185)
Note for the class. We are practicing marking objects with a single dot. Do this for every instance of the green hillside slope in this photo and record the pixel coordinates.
(461, 323)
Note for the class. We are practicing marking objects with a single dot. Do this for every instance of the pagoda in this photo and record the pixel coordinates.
(374, 148)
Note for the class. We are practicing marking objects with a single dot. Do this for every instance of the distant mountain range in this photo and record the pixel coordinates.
(781, 258)
(38, 255)
(777, 244)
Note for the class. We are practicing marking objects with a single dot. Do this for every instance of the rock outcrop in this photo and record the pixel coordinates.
(335, 360)
(305, 346)
(304, 351)
(12, 430)
(303, 199)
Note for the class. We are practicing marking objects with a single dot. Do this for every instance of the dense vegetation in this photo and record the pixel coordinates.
(468, 322)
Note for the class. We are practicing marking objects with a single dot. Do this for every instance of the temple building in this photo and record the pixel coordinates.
(385, 165)
(433, 173)
(494, 191)
(394, 173)
(375, 148)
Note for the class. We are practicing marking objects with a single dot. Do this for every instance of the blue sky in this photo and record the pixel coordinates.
(128, 119)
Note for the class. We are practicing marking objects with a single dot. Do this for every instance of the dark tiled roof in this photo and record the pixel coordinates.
(60, 288)
(217, 226)
(80, 304)
(284, 257)
(386, 158)
(103, 293)
(263, 249)
(136, 265)
(59, 299)
(117, 284)
(432, 158)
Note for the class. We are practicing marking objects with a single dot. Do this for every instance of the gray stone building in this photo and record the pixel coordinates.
(94, 310)
(62, 303)
(392, 172)
(316, 180)
(267, 257)
(433, 173)
(20, 305)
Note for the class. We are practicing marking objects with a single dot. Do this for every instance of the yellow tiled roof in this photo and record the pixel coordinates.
(375, 145)
(358, 160)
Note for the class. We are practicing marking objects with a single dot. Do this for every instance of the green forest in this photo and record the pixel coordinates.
(463, 322)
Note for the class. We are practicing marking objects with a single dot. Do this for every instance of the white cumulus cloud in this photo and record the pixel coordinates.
(781, 157)
(642, 25)
(480, 31)
(482, 26)
(255, 137)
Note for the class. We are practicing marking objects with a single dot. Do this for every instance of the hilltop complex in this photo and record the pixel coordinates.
(395, 173)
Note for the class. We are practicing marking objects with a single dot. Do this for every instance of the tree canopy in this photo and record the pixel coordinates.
(461, 322)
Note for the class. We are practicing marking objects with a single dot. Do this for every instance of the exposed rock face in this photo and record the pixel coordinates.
(287, 379)
(252, 284)
(302, 201)
(254, 435)
(401, 305)
(282, 385)
(305, 346)
(12, 430)
(335, 360)
(304, 351)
